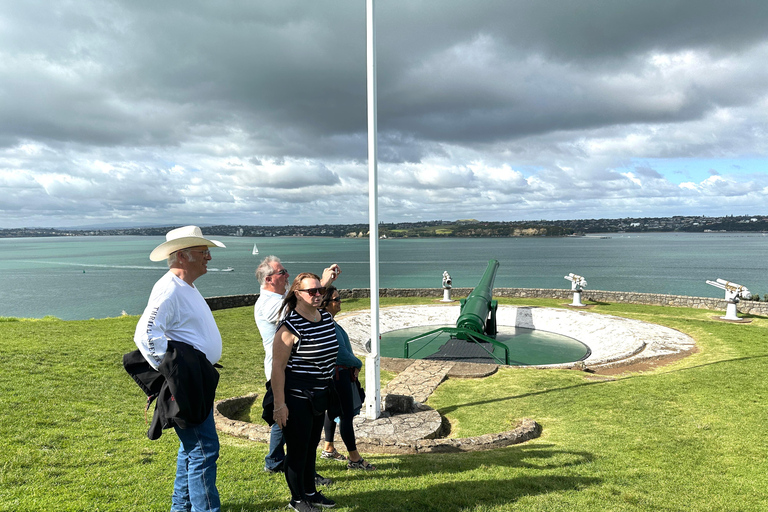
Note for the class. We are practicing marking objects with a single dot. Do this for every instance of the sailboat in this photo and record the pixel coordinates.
(255, 250)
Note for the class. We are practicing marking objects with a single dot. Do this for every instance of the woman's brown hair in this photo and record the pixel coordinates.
(289, 302)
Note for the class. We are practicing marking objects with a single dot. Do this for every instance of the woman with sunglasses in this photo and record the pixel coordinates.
(347, 369)
(304, 358)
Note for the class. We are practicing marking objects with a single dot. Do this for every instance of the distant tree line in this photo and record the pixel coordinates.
(467, 228)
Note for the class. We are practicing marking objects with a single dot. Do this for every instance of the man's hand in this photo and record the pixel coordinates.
(330, 274)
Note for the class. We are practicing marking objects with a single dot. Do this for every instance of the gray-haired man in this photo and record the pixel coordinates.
(178, 344)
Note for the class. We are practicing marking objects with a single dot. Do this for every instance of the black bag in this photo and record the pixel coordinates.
(357, 400)
(319, 399)
(360, 390)
(268, 405)
(324, 400)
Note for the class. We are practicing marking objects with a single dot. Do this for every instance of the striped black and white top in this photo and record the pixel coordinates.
(313, 357)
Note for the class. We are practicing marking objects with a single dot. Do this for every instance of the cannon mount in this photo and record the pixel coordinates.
(477, 319)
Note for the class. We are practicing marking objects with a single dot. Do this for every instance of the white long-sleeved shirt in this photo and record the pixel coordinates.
(176, 311)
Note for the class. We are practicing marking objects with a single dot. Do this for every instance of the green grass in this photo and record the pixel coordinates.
(688, 436)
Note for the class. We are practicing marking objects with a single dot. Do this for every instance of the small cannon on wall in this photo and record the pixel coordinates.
(733, 292)
(577, 285)
(447, 285)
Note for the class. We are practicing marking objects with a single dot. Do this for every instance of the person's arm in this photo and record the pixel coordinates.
(330, 274)
(281, 352)
(346, 357)
(150, 335)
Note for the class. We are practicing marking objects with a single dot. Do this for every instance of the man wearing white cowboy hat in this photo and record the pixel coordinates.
(178, 336)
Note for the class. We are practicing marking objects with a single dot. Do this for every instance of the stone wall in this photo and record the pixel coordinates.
(651, 299)
(231, 301)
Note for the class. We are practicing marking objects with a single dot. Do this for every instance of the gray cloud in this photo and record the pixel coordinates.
(255, 112)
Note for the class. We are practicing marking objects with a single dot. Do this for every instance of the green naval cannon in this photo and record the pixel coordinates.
(478, 310)
(477, 319)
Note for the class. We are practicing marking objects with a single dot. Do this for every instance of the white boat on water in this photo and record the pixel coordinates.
(228, 269)
(255, 250)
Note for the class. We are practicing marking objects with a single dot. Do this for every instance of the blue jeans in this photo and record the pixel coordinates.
(195, 485)
(276, 455)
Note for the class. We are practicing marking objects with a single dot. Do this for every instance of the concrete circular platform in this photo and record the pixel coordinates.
(612, 340)
(417, 428)
(417, 431)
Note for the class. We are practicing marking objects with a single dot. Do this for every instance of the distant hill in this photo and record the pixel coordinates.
(464, 228)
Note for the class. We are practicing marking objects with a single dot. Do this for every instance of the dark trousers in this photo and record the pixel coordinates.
(346, 429)
(302, 435)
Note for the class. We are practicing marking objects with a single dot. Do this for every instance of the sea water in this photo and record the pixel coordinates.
(99, 277)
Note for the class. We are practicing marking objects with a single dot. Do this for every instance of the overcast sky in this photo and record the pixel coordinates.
(135, 112)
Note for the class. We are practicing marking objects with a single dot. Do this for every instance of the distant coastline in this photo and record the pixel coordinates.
(468, 228)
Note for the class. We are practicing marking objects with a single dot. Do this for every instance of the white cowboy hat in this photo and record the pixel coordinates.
(181, 238)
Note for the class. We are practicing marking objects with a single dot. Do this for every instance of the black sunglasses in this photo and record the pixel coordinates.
(279, 273)
(314, 291)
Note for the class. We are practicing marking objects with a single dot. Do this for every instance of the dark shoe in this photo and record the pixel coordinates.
(361, 464)
(277, 469)
(302, 506)
(318, 500)
(320, 480)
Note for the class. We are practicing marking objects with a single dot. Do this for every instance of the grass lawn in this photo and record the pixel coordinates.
(688, 436)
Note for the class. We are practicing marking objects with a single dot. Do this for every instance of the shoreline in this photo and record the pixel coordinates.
(596, 234)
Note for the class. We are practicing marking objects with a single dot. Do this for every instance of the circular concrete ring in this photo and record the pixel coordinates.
(612, 340)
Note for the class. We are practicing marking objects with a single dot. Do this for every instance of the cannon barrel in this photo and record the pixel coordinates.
(734, 288)
(716, 284)
(479, 304)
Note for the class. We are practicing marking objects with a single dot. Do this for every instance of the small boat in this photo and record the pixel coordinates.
(255, 250)
(228, 269)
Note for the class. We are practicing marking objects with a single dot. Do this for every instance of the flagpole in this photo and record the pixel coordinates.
(373, 360)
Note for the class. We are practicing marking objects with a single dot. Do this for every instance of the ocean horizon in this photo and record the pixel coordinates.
(86, 277)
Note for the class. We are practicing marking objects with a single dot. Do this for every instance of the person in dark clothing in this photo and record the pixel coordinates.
(303, 361)
(347, 370)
